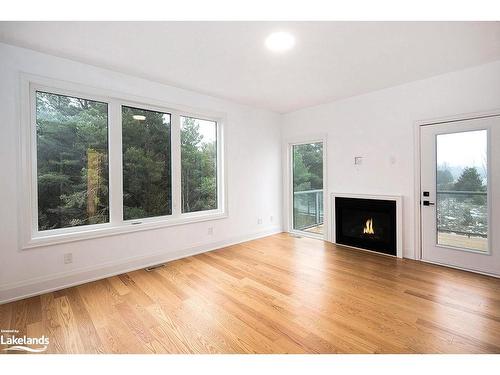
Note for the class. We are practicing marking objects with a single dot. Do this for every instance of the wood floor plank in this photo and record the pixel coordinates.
(84, 323)
(277, 294)
(69, 327)
(51, 324)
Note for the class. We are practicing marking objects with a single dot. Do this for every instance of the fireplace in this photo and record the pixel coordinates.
(369, 224)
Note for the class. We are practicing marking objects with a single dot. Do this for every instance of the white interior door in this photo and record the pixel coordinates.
(460, 194)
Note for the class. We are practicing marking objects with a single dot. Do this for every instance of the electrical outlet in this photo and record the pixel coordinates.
(271, 218)
(68, 258)
(210, 231)
(259, 220)
(358, 160)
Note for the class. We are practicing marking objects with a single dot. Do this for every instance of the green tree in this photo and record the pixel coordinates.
(198, 168)
(72, 165)
(469, 180)
(308, 167)
(146, 164)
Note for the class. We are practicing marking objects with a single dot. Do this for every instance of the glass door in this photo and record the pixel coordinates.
(307, 188)
(460, 163)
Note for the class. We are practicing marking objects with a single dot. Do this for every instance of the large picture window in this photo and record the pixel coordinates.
(72, 161)
(199, 164)
(96, 165)
(147, 188)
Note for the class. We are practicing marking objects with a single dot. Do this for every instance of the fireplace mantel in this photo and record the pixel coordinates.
(398, 199)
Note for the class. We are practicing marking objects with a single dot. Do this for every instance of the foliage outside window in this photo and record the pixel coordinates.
(147, 188)
(198, 164)
(72, 181)
(72, 161)
(307, 162)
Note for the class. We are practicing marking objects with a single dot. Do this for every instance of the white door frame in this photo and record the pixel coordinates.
(417, 193)
(287, 184)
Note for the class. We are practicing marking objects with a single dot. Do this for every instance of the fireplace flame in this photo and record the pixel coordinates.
(368, 229)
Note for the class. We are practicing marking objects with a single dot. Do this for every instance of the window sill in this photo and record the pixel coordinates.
(131, 226)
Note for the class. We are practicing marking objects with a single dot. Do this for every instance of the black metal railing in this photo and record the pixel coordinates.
(463, 194)
(457, 192)
(307, 209)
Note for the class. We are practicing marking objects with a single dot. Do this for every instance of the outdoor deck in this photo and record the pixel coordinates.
(463, 241)
(317, 229)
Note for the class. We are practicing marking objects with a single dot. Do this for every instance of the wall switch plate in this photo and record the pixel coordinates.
(271, 218)
(68, 258)
(210, 230)
(259, 220)
(358, 160)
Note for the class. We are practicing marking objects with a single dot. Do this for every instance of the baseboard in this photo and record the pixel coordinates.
(367, 250)
(460, 268)
(40, 285)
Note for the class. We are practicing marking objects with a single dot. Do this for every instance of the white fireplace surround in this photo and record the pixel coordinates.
(399, 216)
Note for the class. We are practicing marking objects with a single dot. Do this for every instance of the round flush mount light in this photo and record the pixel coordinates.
(280, 41)
(139, 117)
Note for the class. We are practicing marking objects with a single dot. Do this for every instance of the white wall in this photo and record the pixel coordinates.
(380, 126)
(253, 146)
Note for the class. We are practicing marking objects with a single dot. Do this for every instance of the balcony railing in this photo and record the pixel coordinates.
(307, 209)
(457, 192)
(461, 202)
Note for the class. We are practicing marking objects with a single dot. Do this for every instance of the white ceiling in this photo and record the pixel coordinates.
(331, 60)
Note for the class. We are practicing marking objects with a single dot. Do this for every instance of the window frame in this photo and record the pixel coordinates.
(31, 237)
(198, 213)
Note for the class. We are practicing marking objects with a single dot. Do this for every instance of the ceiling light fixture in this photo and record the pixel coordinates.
(280, 41)
(139, 117)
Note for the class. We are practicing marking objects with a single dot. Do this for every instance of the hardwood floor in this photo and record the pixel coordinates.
(277, 294)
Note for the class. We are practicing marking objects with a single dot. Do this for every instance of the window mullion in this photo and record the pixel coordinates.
(115, 164)
(176, 165)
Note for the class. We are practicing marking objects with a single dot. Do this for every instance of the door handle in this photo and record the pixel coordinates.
(427, 203)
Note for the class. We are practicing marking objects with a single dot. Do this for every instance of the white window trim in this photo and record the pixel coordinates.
(30, 237)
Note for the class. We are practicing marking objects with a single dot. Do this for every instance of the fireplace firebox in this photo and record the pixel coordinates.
(366, 223)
